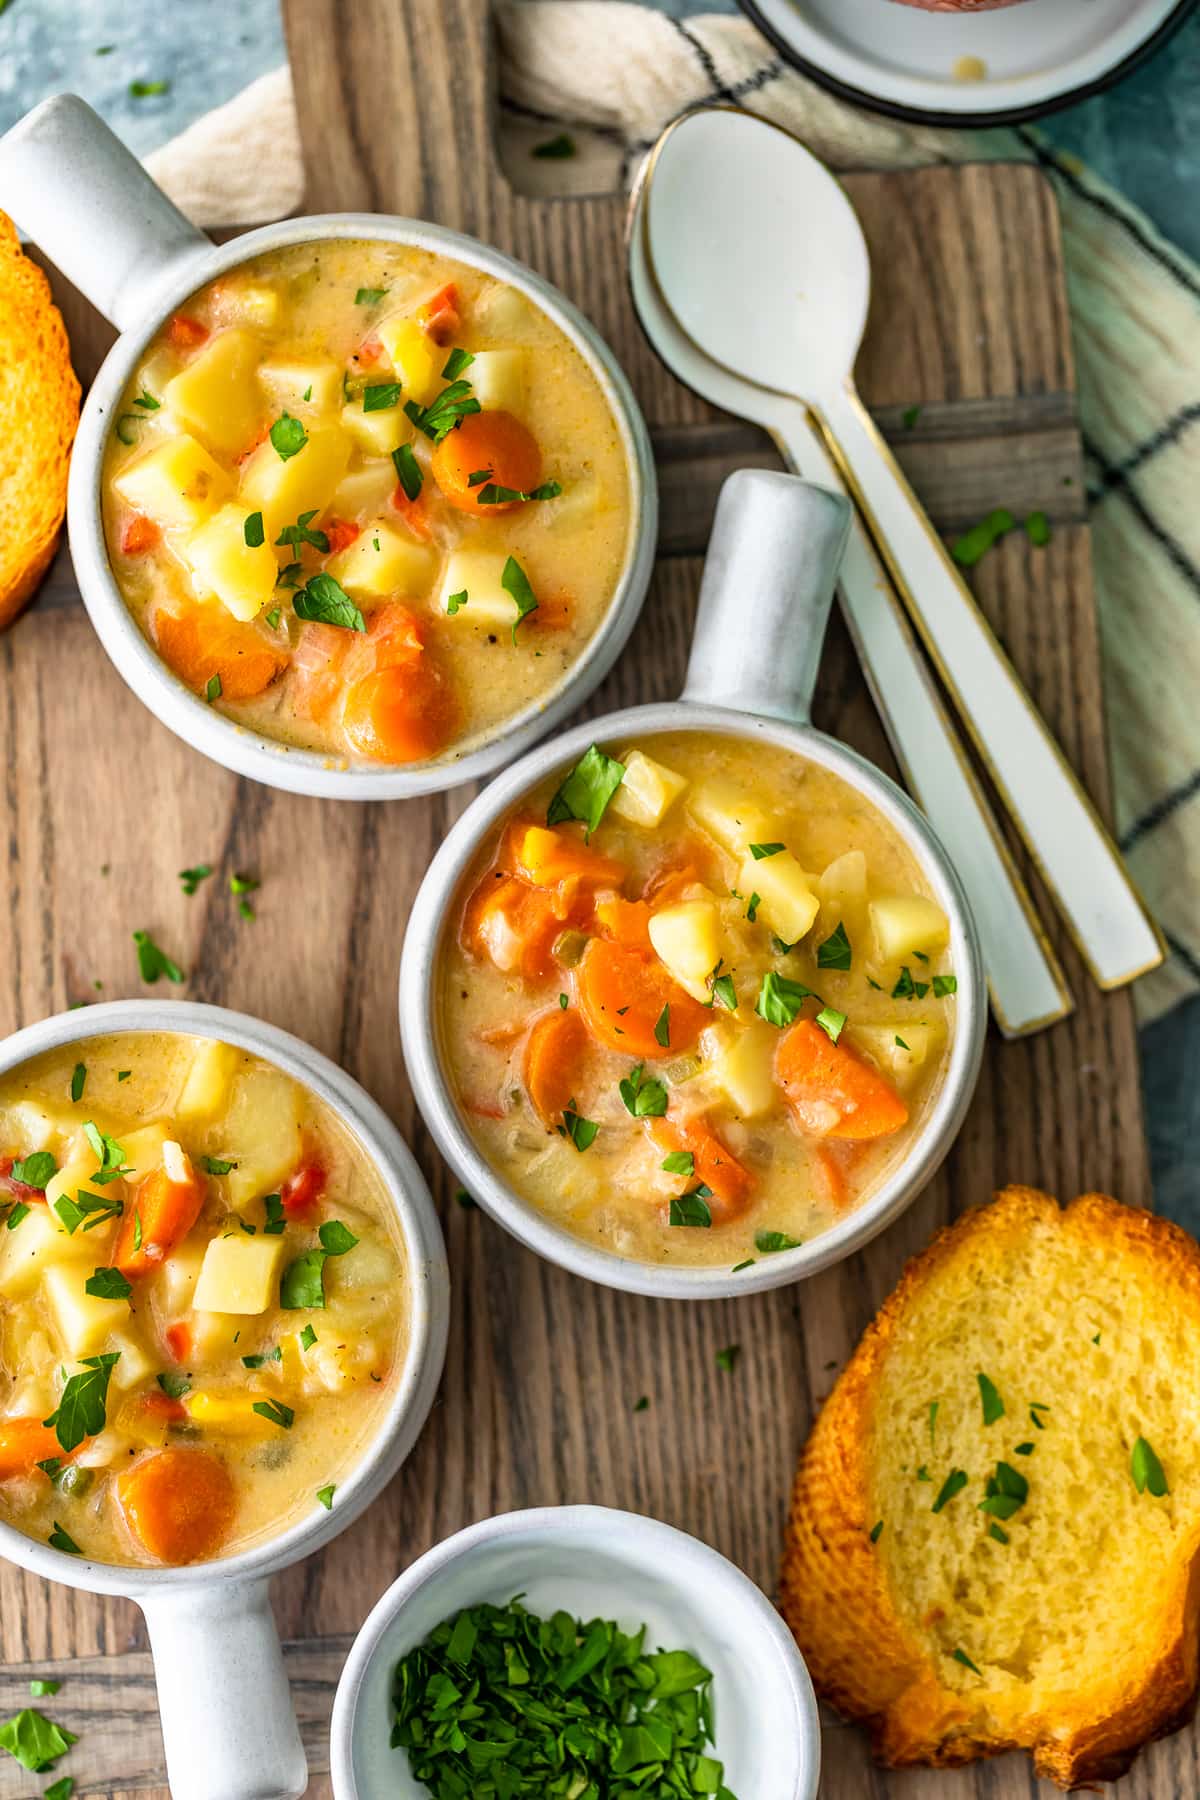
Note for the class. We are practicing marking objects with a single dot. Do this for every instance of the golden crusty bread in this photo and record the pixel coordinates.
(1082, 1626)
(39, 410)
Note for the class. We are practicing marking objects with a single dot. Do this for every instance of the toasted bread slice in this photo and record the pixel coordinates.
(39, 410)
(966, 1580)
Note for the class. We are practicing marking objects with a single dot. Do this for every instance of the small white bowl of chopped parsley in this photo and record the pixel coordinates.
(574, 1653)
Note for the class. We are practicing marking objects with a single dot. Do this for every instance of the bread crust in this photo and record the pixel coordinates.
(834, 1595)
(39, 412)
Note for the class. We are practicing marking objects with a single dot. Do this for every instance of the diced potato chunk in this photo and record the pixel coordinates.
(900, 1048)
(256, 305)
(178, 1275)
(722, 808)
(787, 903)
(366, 490)
(240, 1274)
(906, 923)
(687, 939)
(39, 1243)
(261, 1132)
(206, 1086)
(241, 575)
(83, 1320)
(377, 433)
(216, 1334)
(745, 1069)
(579, 502)
(177, 484)
(383, 560)
(416, 359)
(477, 573)
(299, 387)
(497, 379)
(844, 882)
(343, 1359)
(28, 1126)
(144, 1148)
(233, 1415)
(648, 791)
(281, 490)
(136, 1363)
(216, 397)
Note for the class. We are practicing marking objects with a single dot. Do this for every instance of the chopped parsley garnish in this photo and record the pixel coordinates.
(61, 1789)
(644, 1097)
(456, 602)
(34, 1170)
(153, 961)
(308, 1338)
(173, 1386)
(464, 1200)
(779, 1000)
(1037, 528)
(325, 1495)
(107, 1284)
(212, 688)
(327, 601)
(301, 533)
(494, 495)
(288, 437)
(587, 790)
(662, 1028)
(35, 1741)
(1147, 1471)
(408, 471)
(933, 1413)
(380, 396)
(835, 952)
(768, 1243)
(581, 1132)
(909, 416)
(41, 1690)
(336, 1239)
(16, 1214)
(253, 531)
(109, 1155)
(908, 989)
(62, 1540)
(954, 1483)
(241, 883)
(876, 1531)
(752, 907)
(691, 1208)
(943, 985)
(448, 410)
(260, 1359)
(723, 989)
(191, 878)
(962, 1657)
(515, 583)
(727, 1358)
(989, 1397)
(976, 543)
(216, 1165)
(456, 362)
(556, 148)
(78, 1077)
(680, 1162)
(276, 1412)
(273, 1206)
(1036, 1408)
(81, 1409)
(1024, 1449)
(145, 90)
(1005, 1492)
(95, 1208)
(303, 1284)
(832, 1022)
(760, 851)
(369, 296)
(997, 1532)
(273, 618)
(642, 1405)
(147, 402)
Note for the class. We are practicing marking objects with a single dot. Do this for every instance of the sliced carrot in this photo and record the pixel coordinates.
(158, 1216)
(204, 641)
(303, 1188)
(178, 1339)
(24, 1443)
(622, 994)
(441, 316)
(140, 534)
(515, 926)
(833, 1163)
(415, 513)
(832, 1092)
(715, 1166)
(554, 1055)
(369, 351)
(179, 1504)
(395, 635)
(545, 857)
(317, 674)
(399, 715)
(184, 333)
(553, 612)
(341, 534)
(492, 441)
(485, 1109)
(625, 921)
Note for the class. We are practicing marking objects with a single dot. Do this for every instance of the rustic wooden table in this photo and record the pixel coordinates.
(970, 323)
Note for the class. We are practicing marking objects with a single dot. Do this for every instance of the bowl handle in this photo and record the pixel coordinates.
(227, 1718)
(86, 201)
(768, 584)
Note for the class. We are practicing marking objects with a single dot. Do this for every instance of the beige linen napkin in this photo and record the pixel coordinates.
(615, 73)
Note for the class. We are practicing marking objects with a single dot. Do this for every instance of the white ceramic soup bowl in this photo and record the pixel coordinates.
(90, 206)
(768, 583)
(228, 1724)
(593, 1562)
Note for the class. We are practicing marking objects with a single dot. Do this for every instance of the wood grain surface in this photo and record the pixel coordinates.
(970, 322)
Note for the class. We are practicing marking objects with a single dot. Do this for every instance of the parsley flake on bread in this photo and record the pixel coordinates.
(995, 1525)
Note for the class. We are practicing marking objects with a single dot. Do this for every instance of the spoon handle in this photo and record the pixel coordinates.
(1026, 983)
(1074, 854)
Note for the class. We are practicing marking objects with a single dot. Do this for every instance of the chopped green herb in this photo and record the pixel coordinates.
(78, 1077)
(954, 1483)
(723, 989)
(1034, 1410)
(779, 1000)
(81, 1409)
(308, 1338)
(336, 1239)
(943, 985)
(95, 1208)
(35, 1741)
(962, 1657)
(691, 1208)
(276, 1412)
(494, 495)
(908, 989)
(369, 296)
(110, 1157)
(261, 1358)
(212, 688)
(326, 600)
(191, 878)
(876, 1531)
(408, 471)
(215, 1165)
(145, 90)
(644, 1097)
(147, 402)
(933, 1413)
(325, 1495)
(989, 1396)
(900, 1043)
(107, 1284)
(380, 396)
(832, 1022)
(909, 416)
(302, 533)
(581, 1132)
(997, 1532)
(1025, 1449)
(1147, 1471)
(1005, 1492)
(153, 962)
(240, 883)
(556, 148)
(273, 618)
(587, 790)
(302, 1286)
(662, 1028)
(253, 530)
(642, 1405)
(835, 952)
(515, 583)
(727, 1358)
(976, 543)
(456, 602)
(137, 1227)
(465, 1201)
(456, 362)
(769, 1243)
(16, 1214)
(173, 1386)
(34, 1170)
(448, 410)
(680, 1162)
(273, 1206)
(923, 1474)
(1037, 529)
(288, 437)
(41, 1690)
(759, 851)
(752, 907)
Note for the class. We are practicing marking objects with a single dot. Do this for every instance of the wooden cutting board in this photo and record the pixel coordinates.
(970, 323)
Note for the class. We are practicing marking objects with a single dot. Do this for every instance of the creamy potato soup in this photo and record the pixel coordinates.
(366, 500)
(203, 1299)
(697, 999)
